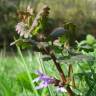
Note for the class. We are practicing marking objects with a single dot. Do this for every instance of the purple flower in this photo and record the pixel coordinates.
(46, 80)
(61, 89)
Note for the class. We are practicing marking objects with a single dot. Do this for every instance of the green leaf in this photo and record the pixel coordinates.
(17, 42)
(76, 91)
(90, 39)
(57, 32)
(82, 43)
(23, 43)
(57, 49)
(46, 58)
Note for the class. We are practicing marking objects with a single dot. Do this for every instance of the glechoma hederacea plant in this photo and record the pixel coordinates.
(36, 32)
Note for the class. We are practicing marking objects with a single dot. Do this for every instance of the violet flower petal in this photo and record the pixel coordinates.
(36, 79)
(42, 85)
(61, 89)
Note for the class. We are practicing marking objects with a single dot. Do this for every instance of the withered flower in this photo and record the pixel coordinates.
(22, 29)
(44, 12)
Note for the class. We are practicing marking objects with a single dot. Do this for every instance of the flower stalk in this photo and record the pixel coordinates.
(62, 75)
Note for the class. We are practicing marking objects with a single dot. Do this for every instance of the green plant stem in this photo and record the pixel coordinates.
(28, 73)
(51, 93)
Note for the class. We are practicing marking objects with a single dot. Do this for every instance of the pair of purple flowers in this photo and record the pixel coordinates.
(46, 80)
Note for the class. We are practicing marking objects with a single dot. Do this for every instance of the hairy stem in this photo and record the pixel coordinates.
(70, 92)
(53, 57)
(58, 67)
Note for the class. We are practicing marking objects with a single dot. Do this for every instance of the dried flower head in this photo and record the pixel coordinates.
(22, 29)
(30, 10)
(44, 12)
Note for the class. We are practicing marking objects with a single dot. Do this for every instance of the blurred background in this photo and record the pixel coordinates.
(17, 68)
(80, 12)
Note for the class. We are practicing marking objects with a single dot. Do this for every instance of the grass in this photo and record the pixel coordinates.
(19, 68)
(16, 75)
